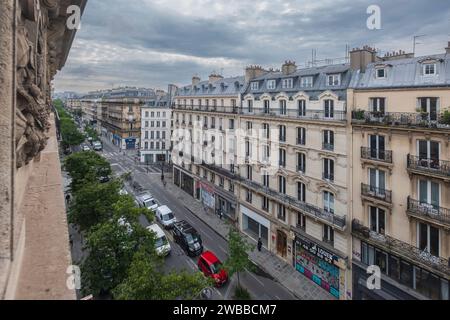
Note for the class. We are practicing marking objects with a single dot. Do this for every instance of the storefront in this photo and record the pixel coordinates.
(184, 181)
(319, 265)
(255, 226)
(207, 195)
(117, 140)
(130, 143)
(226, 206)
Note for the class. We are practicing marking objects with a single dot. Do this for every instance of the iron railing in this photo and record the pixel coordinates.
(376, 193)
(376, 154)
(429, 211)
(414, 119)
(319, 115)
(221, 109)
(433, 166)
(308, 209)
(400, 248)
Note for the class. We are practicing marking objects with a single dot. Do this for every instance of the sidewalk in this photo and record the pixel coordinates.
(300, 286)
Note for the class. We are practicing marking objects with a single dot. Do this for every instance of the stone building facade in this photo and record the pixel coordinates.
(34, 45)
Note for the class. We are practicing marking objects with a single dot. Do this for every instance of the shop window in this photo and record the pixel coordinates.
(406, 274)
(381, 260)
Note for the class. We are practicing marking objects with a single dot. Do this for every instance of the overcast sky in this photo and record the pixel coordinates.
(150, 43)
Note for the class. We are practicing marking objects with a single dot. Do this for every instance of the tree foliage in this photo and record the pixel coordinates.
(145, 281)
(85, 168)
(238, 254)
(111, 247)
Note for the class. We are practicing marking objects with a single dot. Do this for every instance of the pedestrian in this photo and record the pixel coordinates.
(68, 198)
(260, 244)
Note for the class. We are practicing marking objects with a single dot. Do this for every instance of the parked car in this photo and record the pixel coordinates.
(211, 267)
(188, 238)
(162, 244)
(97, 146)
(123, 192)
(165, 216)
(86, 148)
(146, 200)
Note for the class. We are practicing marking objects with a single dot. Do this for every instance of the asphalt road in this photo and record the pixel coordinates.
(261, 286)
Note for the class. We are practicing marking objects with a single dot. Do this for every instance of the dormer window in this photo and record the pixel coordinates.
(287, 83)
(307, 82)
(429, 69)
(271, 84)
(254, 86)
(381, 73)
(334, 80)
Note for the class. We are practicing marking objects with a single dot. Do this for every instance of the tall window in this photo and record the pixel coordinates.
(377, 147)
(271, 84)
(430, 106)
(249, 196)
(301, 105)
(328, 169)
(265, 204)
(301, 136)
(378, 105)
(266, 106)
(283, 158)
(428, 238)
(283, 108)
(248, 149)
(328, 140)
(307, 82)
(301, 192)
(282, 184)
(301, 163)
(266, 130)
(231, 124)
(329, 109)
(428, 152)
(281, 212)
(377, 220)
(301, 221)
(377, 181)
(250, 106)
(249, 173)
(429, 193)
(287, 83)
(266, 180)
(282, 130)
(328, 202)
(328, 234)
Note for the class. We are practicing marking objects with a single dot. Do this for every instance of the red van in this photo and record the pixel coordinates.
(211, 267)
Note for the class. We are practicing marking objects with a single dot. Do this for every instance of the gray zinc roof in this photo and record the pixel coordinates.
(222, 87)
(405, 73)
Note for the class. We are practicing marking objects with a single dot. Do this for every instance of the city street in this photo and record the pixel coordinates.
(261, 286)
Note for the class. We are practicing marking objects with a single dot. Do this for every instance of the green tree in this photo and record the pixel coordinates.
(146, 281)
(92, 133)
(238, 258)
(94, 203)
(111, 248)
(86, 167)
(70, 134)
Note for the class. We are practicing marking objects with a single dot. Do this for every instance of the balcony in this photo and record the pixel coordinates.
(219, 109)
(301, 169)
(310, 115)
(400, 119)
(401, 249)
(221, 171)
(376, 193)
(376, 155)
(430, 167)
(428, 212)
(339, 222)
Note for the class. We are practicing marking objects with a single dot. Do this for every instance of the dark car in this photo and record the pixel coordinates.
(188, 238)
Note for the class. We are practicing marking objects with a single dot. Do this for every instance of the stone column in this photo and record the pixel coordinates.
(7, 147)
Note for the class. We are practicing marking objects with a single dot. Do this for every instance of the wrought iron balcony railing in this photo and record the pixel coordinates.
(376, 193)
(428, 211)
(313, 211)
(430, 166)
(376, 154)
(400, 248)
(220, 170)
(404, 119)
(318, 115)
(221, 109)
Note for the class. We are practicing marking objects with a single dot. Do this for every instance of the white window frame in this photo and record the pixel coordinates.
(254, 86)
(307, 82)
(329, 205)
(335, 80)
(271, 84)
(425, 69)
(287, 83)
(428, 237)
(377, 227)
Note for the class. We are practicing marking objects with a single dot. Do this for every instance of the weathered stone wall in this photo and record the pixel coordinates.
(34, 45)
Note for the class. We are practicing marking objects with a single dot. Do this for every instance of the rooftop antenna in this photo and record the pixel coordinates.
(415, 43)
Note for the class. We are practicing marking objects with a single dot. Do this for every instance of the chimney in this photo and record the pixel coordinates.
(361, 58)
(214, 77)
(447, 50)
(397, 55)
(288, 67)
(195, 80)
(253, 72)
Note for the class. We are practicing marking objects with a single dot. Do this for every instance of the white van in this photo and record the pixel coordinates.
(162, 244)
(146, 200)
(165, 216)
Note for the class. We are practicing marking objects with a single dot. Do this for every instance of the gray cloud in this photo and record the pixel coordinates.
(152, 43)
